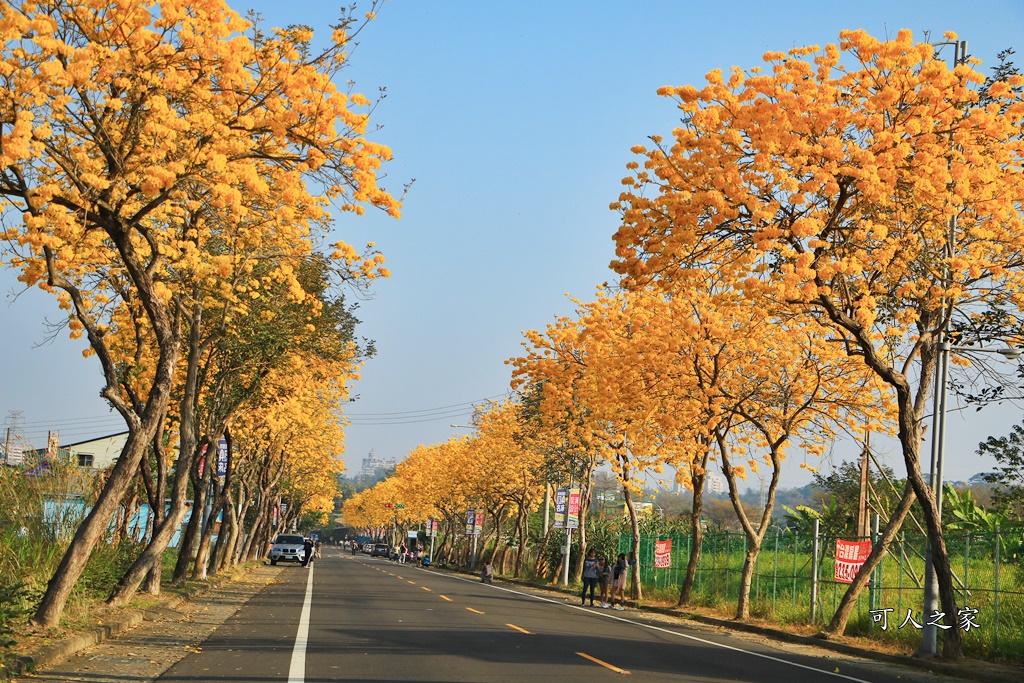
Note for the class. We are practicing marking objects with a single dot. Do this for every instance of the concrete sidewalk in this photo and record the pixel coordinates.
(141, 646)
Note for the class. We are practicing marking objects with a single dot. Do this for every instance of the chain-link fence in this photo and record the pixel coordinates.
(988, 572)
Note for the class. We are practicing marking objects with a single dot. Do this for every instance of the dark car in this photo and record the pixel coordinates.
(288, 548)
(381, 550)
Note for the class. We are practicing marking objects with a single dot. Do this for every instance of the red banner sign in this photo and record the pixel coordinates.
(663, 554)
(850, 555)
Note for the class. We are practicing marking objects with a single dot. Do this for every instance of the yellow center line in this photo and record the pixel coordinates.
(445, 597)
(412, 582)
(604, 664)
(398, 577)
(475, 611)
(521, 630)
(425, 588)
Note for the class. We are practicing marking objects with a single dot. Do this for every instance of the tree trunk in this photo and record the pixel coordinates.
(540, 566)
(190, 538)
(696, 533)
(837, 626)
(152, 557)
(96, 522)
(522, 531)
(581, 537)
(754, 535)
(635, 587)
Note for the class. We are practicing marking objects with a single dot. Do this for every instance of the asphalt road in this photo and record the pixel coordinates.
(367, 619)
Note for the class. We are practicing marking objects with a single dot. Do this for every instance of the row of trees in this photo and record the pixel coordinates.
(167, 170)
(790, 257)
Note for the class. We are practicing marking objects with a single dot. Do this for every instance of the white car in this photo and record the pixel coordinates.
(288, 548)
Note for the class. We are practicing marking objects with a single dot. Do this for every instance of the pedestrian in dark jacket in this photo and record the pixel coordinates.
(590, 569)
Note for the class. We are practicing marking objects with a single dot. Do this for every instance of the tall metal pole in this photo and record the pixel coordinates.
(568, 548)
(433, 533)
(815, 554)
(568, 536)
(930, 631)
(547, 504)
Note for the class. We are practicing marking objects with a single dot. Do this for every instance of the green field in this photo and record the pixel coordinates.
(988, 568)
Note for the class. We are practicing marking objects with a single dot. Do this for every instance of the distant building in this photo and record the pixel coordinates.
(99, 453)
(374, 467)
(13, 454)
(714, 484)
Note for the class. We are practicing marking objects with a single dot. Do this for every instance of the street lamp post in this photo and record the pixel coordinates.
(929, 632)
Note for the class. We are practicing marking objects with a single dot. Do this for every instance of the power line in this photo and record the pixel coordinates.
(413, 413)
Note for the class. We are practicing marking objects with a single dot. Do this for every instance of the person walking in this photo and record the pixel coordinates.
(590, 567)
(619, 573)
(604, 577)
(307, 548)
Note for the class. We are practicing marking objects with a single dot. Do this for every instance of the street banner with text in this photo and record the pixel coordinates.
(572, 517)
(663, 554)
(850, 556)
(560, 505)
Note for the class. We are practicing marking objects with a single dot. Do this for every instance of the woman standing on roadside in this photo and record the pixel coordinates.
(590, 569)
(604, 577)
(619, 573)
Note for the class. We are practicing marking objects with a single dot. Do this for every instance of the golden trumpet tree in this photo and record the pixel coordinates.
(508, 469)
(124, 126)
(601, 389)
(866, 185)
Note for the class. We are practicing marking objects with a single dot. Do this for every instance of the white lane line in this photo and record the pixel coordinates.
(668, 631)
(297, 670)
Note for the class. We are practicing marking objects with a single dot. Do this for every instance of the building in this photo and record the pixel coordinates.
(714, 483)
(376, 468)
(99, 453)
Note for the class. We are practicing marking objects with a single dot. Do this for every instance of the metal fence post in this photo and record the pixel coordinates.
(995, 587)
(967, 565)
(815, 549)
(792, 594)
(775, 571)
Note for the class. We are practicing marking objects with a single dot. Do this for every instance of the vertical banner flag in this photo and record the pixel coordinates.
(572, 516)
(663, 554)
(850, 556)
(470, 522)
(478, 524)
(222, 458)
(433, 527)
(560, 505)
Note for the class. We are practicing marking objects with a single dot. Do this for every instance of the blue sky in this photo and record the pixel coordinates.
(516, 120)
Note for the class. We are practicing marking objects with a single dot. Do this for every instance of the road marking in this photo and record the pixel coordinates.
(521, 630)
(604, 664)
(297, 669)
(425, 588)
(476, 611)
(687, 636)
(445, 597)
(412, 582)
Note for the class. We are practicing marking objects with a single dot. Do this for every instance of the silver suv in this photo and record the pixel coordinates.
(287, 548)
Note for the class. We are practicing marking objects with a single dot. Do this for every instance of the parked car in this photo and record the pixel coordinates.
(381, 550)
(367, 548)
(287, 548)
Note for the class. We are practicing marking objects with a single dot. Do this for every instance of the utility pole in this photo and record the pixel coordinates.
(930, 633)
(862, 504)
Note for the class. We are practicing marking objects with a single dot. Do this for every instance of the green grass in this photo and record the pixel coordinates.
(781, 587)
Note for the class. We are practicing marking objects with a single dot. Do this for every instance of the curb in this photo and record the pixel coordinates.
(60, 651)
(934, 666)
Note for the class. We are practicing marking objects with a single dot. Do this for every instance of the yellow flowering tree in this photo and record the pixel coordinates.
(863, 184)
(131, 129)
